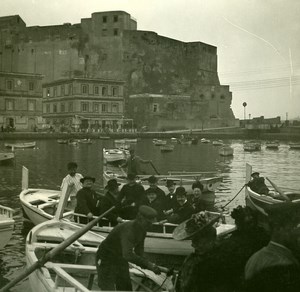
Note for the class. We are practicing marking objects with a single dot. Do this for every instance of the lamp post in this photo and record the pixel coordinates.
(244, 105)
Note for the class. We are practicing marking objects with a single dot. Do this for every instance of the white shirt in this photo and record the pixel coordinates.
(73, 182)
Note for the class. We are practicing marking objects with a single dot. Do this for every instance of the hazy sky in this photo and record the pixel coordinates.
(258, 41)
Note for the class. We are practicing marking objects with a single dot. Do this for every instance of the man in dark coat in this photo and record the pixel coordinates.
(183, 209)
(131, 196)
(152, 200)
(124, 244)
(275, 268)
(109, 200)
(170, 198)
(152, 180)
(87, 200)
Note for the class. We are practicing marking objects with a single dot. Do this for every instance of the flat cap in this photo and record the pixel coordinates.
(152, 179)
(87, 178)
(147, 212)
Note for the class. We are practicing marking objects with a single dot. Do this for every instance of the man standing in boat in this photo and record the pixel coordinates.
(133, 163)
(73, 180)
(124, 244)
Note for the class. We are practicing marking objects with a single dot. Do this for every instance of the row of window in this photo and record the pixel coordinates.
(10, 84)
(213, 96)
(105, 32)
(84, 107)
(10, 105)
(105, 18)
(65, 90)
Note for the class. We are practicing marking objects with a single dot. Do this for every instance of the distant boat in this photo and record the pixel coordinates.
(203, 140)
(185, 141)
(114, 155)
(104, 137)
(6, 156)
(252, 146)
(226, 151)
(218, 143)
(62, 141)
(174, 140)
(20, 145)
(295, 146)
(272, 145)
(158, 142)
(85, 141)
(167, 148)
(6, 225)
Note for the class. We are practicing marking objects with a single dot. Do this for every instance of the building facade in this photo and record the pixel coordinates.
(78, 104)
(21, 101)
(108, 45)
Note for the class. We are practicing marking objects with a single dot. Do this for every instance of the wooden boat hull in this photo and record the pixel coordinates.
(20, 145)
(251, 147)
(295, 146)
(209, 184)
(6, 156)
(114, 155)
(226, 151)
(6, 225)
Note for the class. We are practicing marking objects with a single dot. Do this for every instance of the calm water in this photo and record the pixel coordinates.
(47, 166)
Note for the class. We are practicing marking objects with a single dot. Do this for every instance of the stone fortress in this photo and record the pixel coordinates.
(172, 83)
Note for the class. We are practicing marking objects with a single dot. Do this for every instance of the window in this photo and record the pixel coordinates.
(55, 108)
(70, 107)
(115, 91)
(116, 31)
(31, 85)
(104, 32)
(96, 107)
(9, 104)
(47, 108)
(9, 84)
(62, 107)
(104, 19)
(115, 108)
(104, 90)
(54, 91)
(116, 18)
(48, 92)
(96, 90)
(222, 97)
(84, 89)
(31, 105)
(155, 107)
(212, 96)
(70, 89)
(62, 90)
(84, 107)
(201, 97)
(104, 107)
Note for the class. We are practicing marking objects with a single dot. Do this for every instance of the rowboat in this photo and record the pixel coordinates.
(20, 145)
(252, 146)
(185, 179)
(62, 141)
(226, 151)
(85, 141)
(294, 146)
(6, 225)
(39, 206)
(218, 143)
(203, 140)
(272, 145)
(167, 148)
(261, 202)
(159, 142)
(6, 156)
(174, 140)
(114, 155)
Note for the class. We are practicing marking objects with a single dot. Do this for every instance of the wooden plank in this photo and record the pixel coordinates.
(25, 174)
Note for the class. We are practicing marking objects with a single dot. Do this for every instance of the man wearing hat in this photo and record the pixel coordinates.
(275, 267)
(109, 200)
(152, 180)
(257, 184)
(170, 198)
(124, 244)
(183, 209)
(87, 199)
(131, 196)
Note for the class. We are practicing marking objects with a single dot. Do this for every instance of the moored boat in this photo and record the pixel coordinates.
(205, 141)
(20, 145)
(62, 141)
(159, 142)
(294, 146)
(226, 151)
(167, 148)
(272, 145)
(252, 146)
(114, 155)
(218, 143)
(85, 141)
(6, 225)
(6, 156)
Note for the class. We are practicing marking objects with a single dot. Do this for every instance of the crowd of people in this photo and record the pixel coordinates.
(250, 259)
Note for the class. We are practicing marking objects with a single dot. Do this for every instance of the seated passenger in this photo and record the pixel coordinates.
(170, 199)
(257, 184)
(154, 202)
(152, 180)
(183, 209)
(197, 199)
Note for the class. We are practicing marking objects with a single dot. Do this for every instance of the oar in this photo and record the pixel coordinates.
(49, 255)
(122, 170)
(154, 167)
(277, 189)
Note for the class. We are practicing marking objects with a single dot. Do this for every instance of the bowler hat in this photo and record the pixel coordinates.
(180, 191)
(254, 173)
(131, 176)
(147, 212)
(87, 177)
(152, 179)
(197, 184)
(170, 183)
(112, 184)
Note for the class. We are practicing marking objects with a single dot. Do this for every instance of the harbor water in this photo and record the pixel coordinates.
(47, 166)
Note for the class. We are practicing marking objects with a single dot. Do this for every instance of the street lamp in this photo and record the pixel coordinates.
(244, 105)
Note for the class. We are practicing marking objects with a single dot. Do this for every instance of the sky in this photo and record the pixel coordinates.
(258, 41)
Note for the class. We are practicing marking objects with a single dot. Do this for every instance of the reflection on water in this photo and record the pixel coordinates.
(47, 167)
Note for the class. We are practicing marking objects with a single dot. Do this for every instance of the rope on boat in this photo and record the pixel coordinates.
(223, 207)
